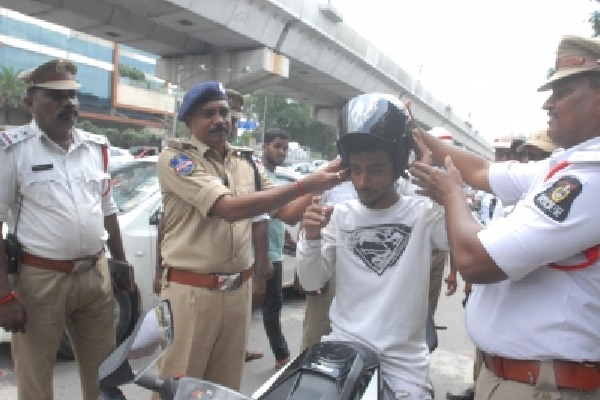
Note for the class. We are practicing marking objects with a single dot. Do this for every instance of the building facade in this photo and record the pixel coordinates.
(118, 84)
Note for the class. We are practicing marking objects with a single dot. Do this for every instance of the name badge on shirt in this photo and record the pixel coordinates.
(556, 201)
(42, 167)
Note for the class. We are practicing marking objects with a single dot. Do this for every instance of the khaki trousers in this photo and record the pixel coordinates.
(210, 329)
(316, 315)
(491, 387)
(81, 302)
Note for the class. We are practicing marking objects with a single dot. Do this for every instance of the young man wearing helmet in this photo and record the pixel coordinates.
(379, 245)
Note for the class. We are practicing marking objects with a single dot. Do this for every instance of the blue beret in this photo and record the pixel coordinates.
(201, 93)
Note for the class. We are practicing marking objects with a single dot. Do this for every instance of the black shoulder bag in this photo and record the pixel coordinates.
(12, 247)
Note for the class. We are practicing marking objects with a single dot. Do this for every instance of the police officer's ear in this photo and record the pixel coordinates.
(28, 100)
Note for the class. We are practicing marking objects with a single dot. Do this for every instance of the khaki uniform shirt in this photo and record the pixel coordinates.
(192, 178)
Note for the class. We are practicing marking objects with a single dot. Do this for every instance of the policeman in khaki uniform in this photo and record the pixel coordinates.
(535, 313)
(54, 180)
(208, 196)
(538, 146)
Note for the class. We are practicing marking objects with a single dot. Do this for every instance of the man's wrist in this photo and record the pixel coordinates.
(8, 298)
(304, 235)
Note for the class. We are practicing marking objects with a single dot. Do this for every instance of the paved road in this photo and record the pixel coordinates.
(451, 363)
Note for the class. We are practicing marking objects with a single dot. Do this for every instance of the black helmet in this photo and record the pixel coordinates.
(384, 117)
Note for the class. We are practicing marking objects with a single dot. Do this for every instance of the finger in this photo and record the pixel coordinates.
(315, 213)
(316, 199)
(345, 173)
(312, 224)
(448, 163)
(423, 192)
(419, 169)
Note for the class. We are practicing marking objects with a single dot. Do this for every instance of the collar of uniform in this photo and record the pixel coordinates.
(203, 148)
(77, 140)
(561, 154)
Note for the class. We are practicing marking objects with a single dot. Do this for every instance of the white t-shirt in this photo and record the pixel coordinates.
(543, 311)
(382, 263)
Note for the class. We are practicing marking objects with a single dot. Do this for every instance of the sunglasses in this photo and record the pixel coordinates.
(212, 112)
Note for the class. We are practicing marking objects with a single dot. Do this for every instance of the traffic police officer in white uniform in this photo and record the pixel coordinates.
(54, 180)
(536, 313)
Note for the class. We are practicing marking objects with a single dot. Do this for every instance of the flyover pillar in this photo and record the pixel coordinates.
(328, 115)
(240, 70)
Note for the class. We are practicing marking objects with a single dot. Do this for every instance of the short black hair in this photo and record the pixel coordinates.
(235, 98)
(368, 143)
(274, 133)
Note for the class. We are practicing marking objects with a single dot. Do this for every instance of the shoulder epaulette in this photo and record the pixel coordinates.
(93, 138)
(588, 155)
(14, 136)
(179, 144)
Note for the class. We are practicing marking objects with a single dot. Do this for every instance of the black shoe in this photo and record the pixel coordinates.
(467, 394)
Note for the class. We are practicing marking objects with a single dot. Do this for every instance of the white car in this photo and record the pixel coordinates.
(303, 168)
(119, 156)
(289, 277)
(318, 163)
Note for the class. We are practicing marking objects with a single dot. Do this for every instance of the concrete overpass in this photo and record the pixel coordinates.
(299, 48)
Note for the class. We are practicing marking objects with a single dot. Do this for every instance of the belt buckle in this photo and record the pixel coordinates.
(83, 265)
(228, 281)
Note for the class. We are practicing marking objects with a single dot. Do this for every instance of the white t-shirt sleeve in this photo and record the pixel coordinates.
(316, 258)
(531, 236)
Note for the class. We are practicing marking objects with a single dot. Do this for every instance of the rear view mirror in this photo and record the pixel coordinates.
(155, 217)
(150, 338)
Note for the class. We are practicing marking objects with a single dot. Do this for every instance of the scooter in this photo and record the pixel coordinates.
(327, 370)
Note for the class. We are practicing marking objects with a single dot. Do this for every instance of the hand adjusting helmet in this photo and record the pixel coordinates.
(376, 116)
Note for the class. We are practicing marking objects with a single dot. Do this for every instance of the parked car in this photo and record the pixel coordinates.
(303, 168)
(318, 163)
(119, 156)
(144, 151)
(289, 277)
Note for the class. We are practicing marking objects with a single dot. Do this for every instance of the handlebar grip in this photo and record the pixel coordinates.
(165, 388)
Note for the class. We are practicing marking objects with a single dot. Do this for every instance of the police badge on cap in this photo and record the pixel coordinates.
(200, 94)
(56, 74)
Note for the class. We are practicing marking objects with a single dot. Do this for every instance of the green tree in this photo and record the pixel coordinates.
(12, 91)
(181, 130)
(595, 20)
(295, 118)
(131, 72)
(124, 139)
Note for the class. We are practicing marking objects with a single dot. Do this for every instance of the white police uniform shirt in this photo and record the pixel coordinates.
(382, 259)
(63, 207)
(544, 310)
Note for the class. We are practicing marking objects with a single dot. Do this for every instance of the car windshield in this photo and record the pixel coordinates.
(115, 151)
(133, 183)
